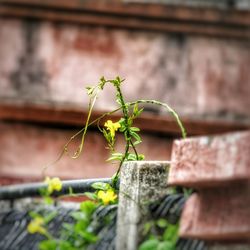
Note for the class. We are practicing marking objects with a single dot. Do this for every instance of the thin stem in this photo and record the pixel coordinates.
(126, 132)
(120, 165)
(170, 110)
(91, 106)
(65, 147)
(125, 112)
(133, 146)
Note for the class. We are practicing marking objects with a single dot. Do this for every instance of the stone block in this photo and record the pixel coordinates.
(218, 214)
(210, 160)
(140, 183)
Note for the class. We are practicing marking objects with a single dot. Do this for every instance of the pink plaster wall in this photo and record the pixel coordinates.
(27, 149)
(48, 62)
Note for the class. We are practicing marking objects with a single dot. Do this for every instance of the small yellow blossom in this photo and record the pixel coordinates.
(112, 127)
(107, 196)
(54, 184)
(36, 226)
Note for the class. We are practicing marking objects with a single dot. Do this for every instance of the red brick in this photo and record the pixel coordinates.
(218, 214)
(208, 161)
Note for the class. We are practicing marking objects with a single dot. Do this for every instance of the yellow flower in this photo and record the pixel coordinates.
(36, 226)
(107, 196)
(112, 127)
(54, 184)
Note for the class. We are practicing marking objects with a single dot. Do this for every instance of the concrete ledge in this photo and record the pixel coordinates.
(218, 214)
(210, 161)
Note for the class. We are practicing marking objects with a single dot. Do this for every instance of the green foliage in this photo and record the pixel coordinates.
(90, 195)
(48, 245)
(150, 244)
(73, 236)
(158, 239)
(101, 186)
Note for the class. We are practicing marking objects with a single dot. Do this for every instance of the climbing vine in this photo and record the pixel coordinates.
(79, 234)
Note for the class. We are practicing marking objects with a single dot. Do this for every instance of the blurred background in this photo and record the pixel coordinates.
(192, 54)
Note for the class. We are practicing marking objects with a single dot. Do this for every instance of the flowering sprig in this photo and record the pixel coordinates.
(54, 184)
(37, 226)
(130, 111)
(105, 193)
(107, 197)
(112, 127)
(39, 223)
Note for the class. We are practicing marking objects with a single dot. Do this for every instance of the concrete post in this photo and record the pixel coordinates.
(141, 182)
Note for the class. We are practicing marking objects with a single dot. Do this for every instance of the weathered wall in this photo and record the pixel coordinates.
(27, 149)
(48, 62)
(51, 63)
(218, 167)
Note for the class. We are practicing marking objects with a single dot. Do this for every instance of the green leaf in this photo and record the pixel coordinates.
(48, 245)
(162, 223)
(130, 122)
(115, 157)
(141, 157)
(68, 226)
(171, 233)
(107, 136)
(151, 244)
(166, 245)
(50, 217)
(136, 143)
(66, 245)
(48, 200)
(187, 192)
(119, 79)
(90, 90)
(88, 236)
(101, 186)
(136, 111)
(135, 135)
(91, 196)
(78, 215)
(81, 225)
(139, 112)
(43, 191)
(123, 124)
(147, 227)
(34, 214)
(88, 207)
(102, 82)
(71, 192)
(131, 157)
(135, 129)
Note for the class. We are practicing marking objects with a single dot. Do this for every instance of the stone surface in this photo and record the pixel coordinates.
(140, 183)
(209, 161)
(26, 149)
(218, 214)
(49, 62)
